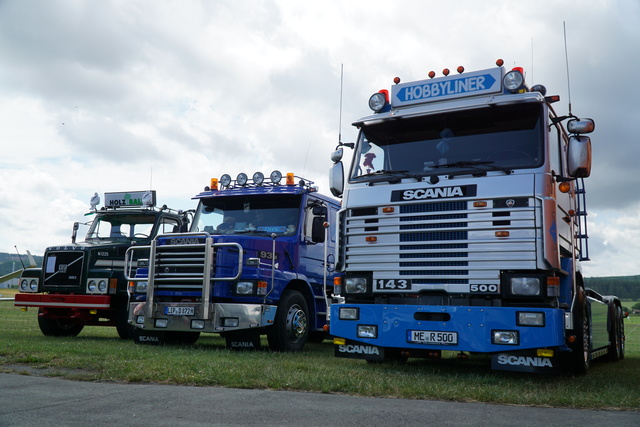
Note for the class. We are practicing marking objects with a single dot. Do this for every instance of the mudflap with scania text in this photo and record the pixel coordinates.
(359, 350)
(525, 361)
(245, 340)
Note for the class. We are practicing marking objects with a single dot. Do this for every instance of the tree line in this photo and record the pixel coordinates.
(624, 287)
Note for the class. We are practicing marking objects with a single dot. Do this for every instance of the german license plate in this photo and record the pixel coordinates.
(180, 311)
(432, 337)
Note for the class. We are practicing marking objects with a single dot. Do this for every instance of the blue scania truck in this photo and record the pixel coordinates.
(259, 259)
(463, 225)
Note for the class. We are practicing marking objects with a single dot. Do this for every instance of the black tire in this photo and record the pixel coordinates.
(616, 334)
(579, 360)
(291, 326)
(58, 327)
(125, 330)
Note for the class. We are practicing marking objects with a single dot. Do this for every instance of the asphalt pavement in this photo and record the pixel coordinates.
(27, 400)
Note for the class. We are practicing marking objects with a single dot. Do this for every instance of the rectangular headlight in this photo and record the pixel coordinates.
(355, 285)
(230, 322)
(526, 286)
(141, 287)
(140, 319)
(244, 288)
(197, 324)
(505, 337)
(526, 318)
(367, 331)
(348, 313)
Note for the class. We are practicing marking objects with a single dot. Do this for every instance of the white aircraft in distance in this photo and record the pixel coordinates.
(17, 273)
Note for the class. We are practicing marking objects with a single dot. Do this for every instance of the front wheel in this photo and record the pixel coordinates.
(58, 327)
(291, 326)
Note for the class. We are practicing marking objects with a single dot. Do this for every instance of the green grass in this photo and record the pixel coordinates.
(97, 354)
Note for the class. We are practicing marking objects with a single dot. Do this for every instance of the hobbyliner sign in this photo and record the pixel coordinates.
(476, 83)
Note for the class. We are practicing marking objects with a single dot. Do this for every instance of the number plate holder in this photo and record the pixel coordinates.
(432, 337)
(179, 311)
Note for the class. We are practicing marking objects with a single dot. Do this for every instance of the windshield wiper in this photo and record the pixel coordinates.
(394, 176)
(482, 166)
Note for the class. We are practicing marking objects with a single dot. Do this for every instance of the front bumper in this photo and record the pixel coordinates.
(84, 302)
(473, 326)
(222, 317)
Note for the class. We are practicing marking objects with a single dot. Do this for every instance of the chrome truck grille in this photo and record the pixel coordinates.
(444, 245)
(182, 267)
(190, 262)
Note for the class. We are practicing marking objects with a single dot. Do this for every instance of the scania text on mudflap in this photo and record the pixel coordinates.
(259, 259)
(463, 225)
(83, 283)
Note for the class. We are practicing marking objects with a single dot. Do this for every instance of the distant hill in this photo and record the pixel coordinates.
(11, 262)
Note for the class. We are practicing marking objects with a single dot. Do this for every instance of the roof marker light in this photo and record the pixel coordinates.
(432, 74)
(460, 69)
(499, 62)
(446, 72)
(396, 80)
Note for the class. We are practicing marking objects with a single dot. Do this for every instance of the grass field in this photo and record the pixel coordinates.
(97, 354)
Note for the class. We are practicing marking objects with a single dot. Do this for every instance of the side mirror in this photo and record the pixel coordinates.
(336, 156)
(581, 126)
(75, 232)
(579, 157)
(317, 229)
(336, 179)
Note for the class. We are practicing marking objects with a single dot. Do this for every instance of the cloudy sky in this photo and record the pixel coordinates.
(115, 95)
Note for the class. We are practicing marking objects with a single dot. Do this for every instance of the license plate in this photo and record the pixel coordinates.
(180, 311)
(432, 337)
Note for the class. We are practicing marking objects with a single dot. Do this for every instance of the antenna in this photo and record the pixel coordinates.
(340, 118)
(15, 246)
(566, 57)
(532, 81)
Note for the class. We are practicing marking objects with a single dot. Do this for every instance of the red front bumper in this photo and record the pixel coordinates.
(100, 302)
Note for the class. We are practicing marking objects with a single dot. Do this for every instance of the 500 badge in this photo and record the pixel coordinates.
(484, 289)
(392, 284)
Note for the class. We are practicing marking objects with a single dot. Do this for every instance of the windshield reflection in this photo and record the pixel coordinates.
(259, 216)
(496, 138)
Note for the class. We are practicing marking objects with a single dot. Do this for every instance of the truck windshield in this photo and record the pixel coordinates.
(121, 227)
(490, 138)
(255, 215)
